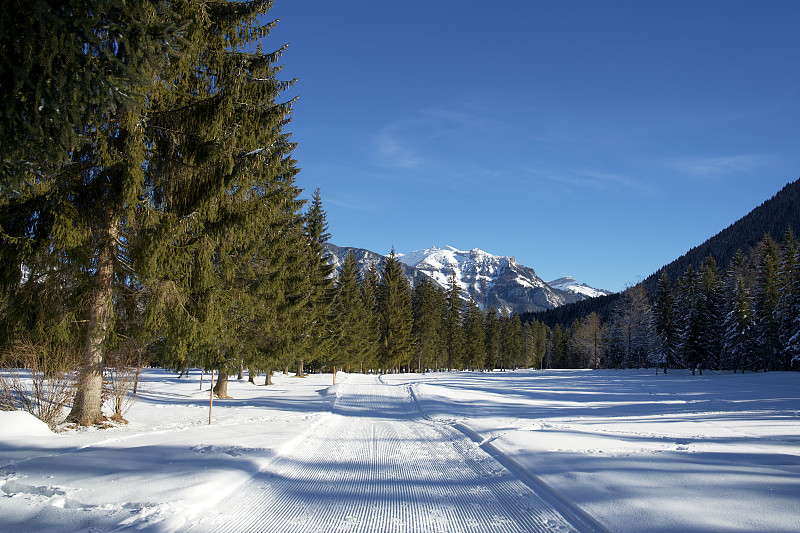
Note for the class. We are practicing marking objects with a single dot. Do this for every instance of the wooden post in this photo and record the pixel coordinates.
(334, 375)
(211, 397)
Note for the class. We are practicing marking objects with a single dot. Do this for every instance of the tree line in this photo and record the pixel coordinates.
(743, 317)
(379, 323)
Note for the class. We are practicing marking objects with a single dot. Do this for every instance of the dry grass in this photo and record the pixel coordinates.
(38, 378)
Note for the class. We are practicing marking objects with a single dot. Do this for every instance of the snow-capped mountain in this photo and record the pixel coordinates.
(497, 281)
(569, 284)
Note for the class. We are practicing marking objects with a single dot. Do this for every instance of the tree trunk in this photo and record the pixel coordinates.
(240, 376)
(268, 378)
(87, 408)
(251, 376)
(221, 388)
(300, 373)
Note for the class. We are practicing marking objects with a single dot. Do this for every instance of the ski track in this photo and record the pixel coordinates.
(377, 464)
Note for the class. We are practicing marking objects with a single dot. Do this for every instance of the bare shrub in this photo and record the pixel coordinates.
(122, 376)
(38, 378)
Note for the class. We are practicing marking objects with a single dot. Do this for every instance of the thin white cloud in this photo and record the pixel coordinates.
(596, 180)
(624, 181)
(394, 151)
(716, 167)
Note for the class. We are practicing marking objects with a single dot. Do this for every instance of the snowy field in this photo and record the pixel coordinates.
(622, 451)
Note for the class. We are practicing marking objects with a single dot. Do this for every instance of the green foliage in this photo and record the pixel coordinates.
(428, 306)
(396, 319)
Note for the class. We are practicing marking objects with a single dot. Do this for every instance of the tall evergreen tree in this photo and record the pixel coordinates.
(665, 324)
(787, 312)
(739, 341)
(491, 330)
(692, 320)
(510, 340)
(428, 305)
(313, 333)
(712, 309)
(369, 294)
(394, 304)
(766, 300)
(349, 319)
(454, 333)
(149, 164)
(474, 345)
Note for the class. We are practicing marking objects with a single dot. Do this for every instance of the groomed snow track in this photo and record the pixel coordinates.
(377, 464)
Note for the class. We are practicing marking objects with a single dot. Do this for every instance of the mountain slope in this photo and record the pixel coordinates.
(773, 216)
(569, 284)
(494, 281)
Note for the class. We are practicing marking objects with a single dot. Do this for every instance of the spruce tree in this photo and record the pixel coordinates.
(665, 324)
(766, 300)
(454, 333)
(692, 320)
(369, 295)
(394, 304)
(739, 341)
(474, 344)
(313, 333)
(348, 318)
(491, 329)
(787, 311)
(712, 309)
(84, 81)
(428, 311)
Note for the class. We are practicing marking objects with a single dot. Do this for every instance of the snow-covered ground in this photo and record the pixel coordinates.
(620, 451)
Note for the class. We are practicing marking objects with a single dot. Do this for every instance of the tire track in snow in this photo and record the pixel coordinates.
(377, 465)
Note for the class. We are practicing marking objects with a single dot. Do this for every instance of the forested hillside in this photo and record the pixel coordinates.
(732, 302)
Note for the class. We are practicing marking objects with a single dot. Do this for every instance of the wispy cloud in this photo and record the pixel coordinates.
(355, 204)
(394, 148)
(582, 180)
(717, 167)
(407, 143)
(617, 180)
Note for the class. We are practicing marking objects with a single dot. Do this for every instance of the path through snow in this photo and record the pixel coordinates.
(377, 464)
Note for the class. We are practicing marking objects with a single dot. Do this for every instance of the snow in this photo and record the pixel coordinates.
(16, 424)
(569, 284)
(619, 451)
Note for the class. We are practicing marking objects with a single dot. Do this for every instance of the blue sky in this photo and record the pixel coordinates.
(595, 139)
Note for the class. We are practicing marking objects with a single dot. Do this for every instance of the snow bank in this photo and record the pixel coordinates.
(15, 424)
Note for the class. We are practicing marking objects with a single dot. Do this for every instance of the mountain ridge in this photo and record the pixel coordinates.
(494, 281)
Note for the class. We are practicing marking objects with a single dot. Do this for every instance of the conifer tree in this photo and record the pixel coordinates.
(712, 310)
(454, 333)
(788, 309)
(557, 348)
(540, 332)
(99, 209)
(665, 324)
(313, 332)
(692, 321)
(739, 342)
(766, 300)
(428, 310)
(394, 304)
(474, 343)
(64, 66)
(491, 330)
(348, 318)
(229, 220)
(369, 295)
(510, 340)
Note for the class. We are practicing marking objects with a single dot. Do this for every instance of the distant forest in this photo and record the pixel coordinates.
(733, 302)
